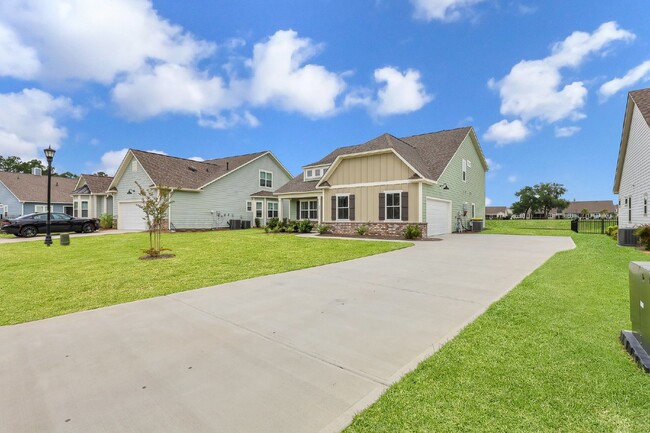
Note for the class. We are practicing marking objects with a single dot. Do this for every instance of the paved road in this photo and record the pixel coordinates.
(296, 352)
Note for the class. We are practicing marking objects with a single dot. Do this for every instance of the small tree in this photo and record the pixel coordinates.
(604, 213)
(584, 212)
(155, 203)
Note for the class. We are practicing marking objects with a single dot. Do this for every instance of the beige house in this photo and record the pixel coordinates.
(497, 212)
(91, 198)
(435, 180)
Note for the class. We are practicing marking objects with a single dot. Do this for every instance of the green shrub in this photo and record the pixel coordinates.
(258, 223)
(362, 230)
(614, 234)
(271, 224)
(643, 233)
(106, 221)
(323, 229)
(611, 229)
(305, 226)
(412, 231)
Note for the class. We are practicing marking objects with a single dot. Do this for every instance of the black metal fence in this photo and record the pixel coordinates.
(592, 227)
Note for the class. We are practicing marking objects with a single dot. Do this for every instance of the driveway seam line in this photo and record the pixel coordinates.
(314, 356)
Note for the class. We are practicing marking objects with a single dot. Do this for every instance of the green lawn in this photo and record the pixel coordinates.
(529, 227)
(545, 358)
(39, 282)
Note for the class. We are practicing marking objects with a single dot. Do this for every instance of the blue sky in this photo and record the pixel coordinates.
(544, 84)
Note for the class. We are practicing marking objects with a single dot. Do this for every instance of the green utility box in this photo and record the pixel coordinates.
(65, 239)
(637, 341)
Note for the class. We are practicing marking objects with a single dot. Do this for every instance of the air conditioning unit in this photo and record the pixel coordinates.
(626, 237)
(637, 341)
(37, 171)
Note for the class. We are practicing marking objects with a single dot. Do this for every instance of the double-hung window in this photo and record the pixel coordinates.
(249, 206)
(272, 209)
(393, 205)
(266, 179)
(258, 209)
(309, 210)
(75, 208)
(343, 207)
(84, 209)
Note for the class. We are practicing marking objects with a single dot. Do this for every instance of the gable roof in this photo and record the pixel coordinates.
(592, 206)
(493, 210)
(181, 173)
(31, 188)
(428, 154)
(93, 184)
(640, 99)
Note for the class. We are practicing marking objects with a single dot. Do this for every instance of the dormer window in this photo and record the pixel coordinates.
(315, 173)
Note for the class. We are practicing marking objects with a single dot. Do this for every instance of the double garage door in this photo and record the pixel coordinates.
(438, 217)
(130, 217)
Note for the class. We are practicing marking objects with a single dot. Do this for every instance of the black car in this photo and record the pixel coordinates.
(31, 224)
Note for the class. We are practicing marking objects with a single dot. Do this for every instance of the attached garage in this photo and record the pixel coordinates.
(438, 216)
(130, 217)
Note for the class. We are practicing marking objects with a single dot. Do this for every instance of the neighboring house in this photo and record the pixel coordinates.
(90, 198)
(205, 195)
(595, 209)
(632, 179)
(434, 180)
(22, 193)
(497, 212)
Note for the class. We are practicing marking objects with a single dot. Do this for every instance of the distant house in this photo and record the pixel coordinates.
(90, 198)
(435, 180)
(632, 179)
(22, 193)
(206, 194)
(497, 212)
(595, 209)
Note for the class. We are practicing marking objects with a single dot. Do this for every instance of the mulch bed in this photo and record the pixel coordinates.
(383, 238)
(161, 256)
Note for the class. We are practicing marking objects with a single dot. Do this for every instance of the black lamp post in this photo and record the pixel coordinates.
(49, 154)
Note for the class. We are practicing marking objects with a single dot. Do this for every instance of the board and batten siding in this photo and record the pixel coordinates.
(635, 178)
(14, 206)
(470, 191)
(227, 196)
(128, 182)
(367, 201)
(372, 168)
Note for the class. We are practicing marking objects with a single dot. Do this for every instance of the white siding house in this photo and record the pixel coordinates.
(632, 181)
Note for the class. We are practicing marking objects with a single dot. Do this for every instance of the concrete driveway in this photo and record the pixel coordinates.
(296, 352)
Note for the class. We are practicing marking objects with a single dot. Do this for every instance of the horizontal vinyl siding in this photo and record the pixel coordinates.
(459, 192)
(372, 168)
(635, 178)
(367, 201)
(226, 196)
(7, 198)
(127, 182)
(31, 207)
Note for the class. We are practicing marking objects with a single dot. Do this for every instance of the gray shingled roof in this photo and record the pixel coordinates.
(642, 100)
(429, 154)
(591, 206)
(493, 210)
(173, 172)
(262, 194)
(30, 188)
(95, 184)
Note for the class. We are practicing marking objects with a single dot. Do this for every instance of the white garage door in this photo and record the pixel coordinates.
(130, 217)
(438, 217)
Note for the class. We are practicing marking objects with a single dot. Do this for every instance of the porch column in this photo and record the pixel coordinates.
(280, 206)
(321, 215)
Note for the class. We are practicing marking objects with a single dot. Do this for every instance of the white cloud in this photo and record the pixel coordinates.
(402, 93)
(442, 10)
(230, 120)
(111, 160)
(504, 132)
(534, 89)
(281, 78)
(492, 165)
(96, 41)
(488, 201)
(16, 59)
(512, 178)
(566, 131)
(633, 76)
(28, 122)
(197, 158)
(169, 88)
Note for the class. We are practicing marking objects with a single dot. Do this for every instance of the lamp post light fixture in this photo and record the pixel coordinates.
(49, 155)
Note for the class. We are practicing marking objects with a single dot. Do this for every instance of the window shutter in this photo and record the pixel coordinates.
(333, 208)
(298, 210)
(405, 205)
(351, 204)
(382, 206)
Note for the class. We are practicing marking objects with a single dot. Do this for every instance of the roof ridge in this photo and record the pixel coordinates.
(436, 132)
(168, 156)
(237, 156)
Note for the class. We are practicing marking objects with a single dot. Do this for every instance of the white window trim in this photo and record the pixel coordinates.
(268, 209)
(473, 210)
(261, 209)
(464, 170)
(260, 178)
(337, 207)
(43, 208)
(386, 205)
(249, 206)
(309, 209)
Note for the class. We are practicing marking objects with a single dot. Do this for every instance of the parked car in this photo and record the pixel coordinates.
(31, 224)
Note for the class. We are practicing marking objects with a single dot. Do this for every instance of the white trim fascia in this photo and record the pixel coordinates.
(315, 166)
(79, 180)
(268, 152)
(290, 195)
(360, 185)
(625, 136)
